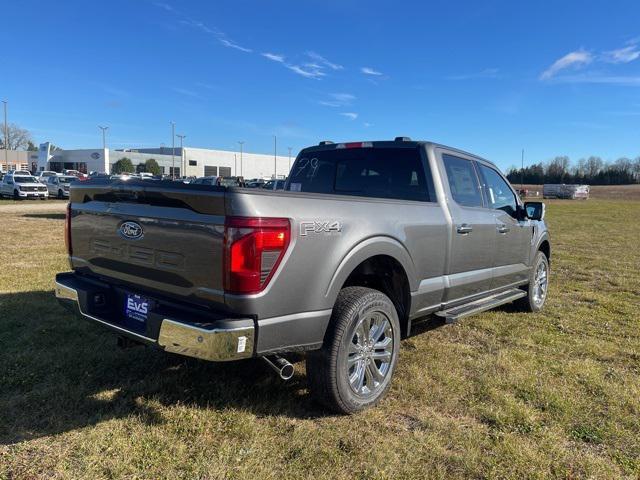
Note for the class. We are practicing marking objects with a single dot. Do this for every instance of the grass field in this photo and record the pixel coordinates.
(500, 395)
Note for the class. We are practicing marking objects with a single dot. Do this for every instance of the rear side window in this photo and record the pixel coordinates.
(368, 172)
(463, 181)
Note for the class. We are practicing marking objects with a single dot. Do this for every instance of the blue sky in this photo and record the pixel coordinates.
(491, 77)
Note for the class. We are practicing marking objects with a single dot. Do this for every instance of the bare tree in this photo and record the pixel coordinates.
(594, 165)
(19, 138)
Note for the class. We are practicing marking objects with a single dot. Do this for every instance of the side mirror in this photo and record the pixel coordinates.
(534, 210)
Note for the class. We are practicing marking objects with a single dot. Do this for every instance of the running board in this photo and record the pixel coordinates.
(454, 314)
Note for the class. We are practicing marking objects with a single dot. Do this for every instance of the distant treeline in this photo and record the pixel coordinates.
(590, 171)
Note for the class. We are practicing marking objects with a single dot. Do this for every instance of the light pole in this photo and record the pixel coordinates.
(522, 172)
(6, 137)
(289, 158)
(275, 164)
(183, 166)
(241, 143)
(104, 136)
(173, 150)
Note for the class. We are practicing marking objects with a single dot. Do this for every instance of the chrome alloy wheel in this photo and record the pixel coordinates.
(540, 284)
(369, 354)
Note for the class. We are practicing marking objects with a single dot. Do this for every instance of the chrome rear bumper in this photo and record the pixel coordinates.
(221, 341)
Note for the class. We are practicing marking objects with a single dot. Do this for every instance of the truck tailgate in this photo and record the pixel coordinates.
(157, 236)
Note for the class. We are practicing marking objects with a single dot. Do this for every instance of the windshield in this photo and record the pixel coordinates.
(380, 172)
(25, 180)
(66, 179)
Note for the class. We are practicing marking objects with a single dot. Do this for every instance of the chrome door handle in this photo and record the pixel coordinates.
(464, 228)
(503, 229)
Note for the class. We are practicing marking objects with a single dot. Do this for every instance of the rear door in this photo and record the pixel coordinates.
(473, 229)
(513, 235)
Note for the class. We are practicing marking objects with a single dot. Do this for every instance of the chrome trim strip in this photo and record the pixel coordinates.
(216, 345)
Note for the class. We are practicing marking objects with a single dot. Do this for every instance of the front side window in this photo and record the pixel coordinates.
(463, 181)
(499, 195)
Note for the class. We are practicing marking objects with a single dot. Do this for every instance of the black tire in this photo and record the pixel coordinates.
(534, 302)
(60, 194)
(16, 196)
(357, 309)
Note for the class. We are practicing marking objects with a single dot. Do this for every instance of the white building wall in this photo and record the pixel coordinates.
(96, 159)
(253, 165)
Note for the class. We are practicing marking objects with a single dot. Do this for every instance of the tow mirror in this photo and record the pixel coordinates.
(534, 210)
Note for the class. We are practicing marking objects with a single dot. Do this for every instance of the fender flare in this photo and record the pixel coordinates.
(371, 247)
(536, 246)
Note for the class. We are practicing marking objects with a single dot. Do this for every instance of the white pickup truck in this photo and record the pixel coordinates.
(20, 185)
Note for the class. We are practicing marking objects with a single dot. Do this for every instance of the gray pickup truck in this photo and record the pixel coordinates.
(367, 239)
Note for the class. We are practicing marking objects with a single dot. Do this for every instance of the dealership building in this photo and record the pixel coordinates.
(185, 161)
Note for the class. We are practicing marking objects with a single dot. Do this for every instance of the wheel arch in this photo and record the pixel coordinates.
(381, 263)
(545, 247)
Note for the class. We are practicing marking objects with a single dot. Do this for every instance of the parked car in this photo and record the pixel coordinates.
(255, 183)
(98, 175)
(274, 185)
(368, 239)
(20, 185)
(58, 186)
(43, 175)
(211, 180)
(76, 173)
(231, 181)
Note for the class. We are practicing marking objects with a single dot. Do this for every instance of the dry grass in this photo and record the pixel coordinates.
(502, 394)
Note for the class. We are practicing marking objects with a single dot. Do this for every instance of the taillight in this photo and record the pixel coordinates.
(253, 249)
(67, 230)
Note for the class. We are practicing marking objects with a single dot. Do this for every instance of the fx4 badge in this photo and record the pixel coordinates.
(319, 227)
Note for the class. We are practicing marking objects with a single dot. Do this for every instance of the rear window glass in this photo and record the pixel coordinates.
(368, 172)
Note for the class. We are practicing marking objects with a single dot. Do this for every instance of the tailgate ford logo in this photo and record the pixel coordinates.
(131, 230)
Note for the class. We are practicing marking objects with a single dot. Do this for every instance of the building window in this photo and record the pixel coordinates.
(210, 171)
(174, 171)
(193, 163)
(225, 171)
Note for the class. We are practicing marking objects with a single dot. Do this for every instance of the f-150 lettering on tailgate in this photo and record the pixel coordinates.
(138, 254)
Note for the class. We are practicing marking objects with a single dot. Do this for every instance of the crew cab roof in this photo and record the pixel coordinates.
(399, 142)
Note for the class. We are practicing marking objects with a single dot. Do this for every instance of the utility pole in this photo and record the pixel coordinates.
(6, 137)
(275, 161)
(289, 158)
(104, 137)
(241, 143)
(173, 150)
(183, 163)
(522, 172)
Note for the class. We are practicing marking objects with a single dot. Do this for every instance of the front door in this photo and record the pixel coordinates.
(513, 242)
(473, 231)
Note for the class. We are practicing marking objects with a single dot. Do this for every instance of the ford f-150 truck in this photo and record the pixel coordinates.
(367, 239)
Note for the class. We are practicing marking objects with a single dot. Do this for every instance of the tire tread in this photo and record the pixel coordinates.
(322, 368)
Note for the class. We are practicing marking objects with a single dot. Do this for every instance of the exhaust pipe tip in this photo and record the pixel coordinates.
(281, 366)
(286, 372)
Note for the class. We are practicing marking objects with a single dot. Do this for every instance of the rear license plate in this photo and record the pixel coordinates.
(136, 309)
